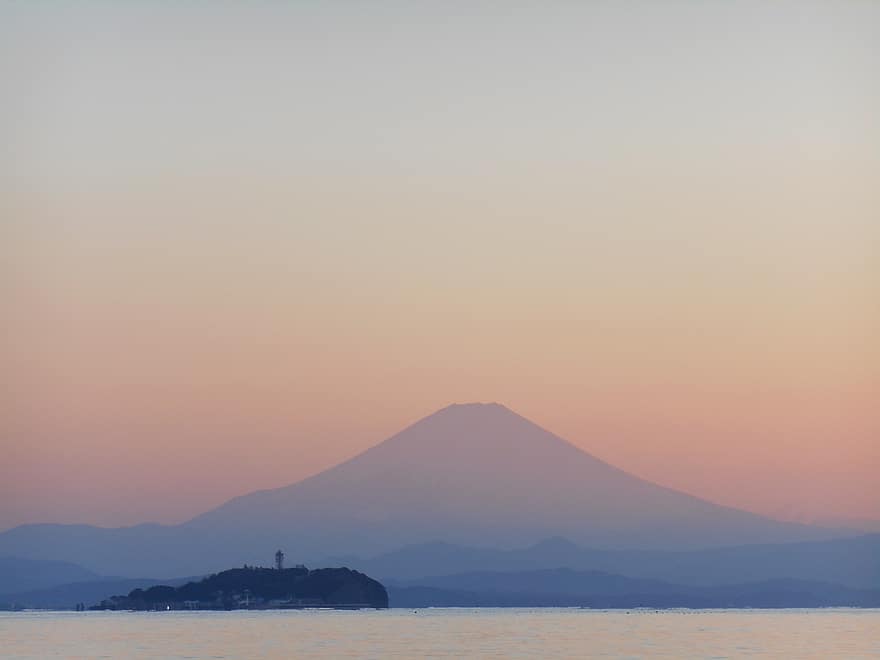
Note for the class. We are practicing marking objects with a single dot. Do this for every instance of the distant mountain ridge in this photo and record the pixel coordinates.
(852, 562)
(560, 587)
(568, 588)
(68, 595)
(18, 574)
(471, 474)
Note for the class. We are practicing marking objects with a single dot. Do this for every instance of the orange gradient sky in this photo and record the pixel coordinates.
(239, 245)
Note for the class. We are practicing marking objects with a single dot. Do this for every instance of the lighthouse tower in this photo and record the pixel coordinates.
(279, 560)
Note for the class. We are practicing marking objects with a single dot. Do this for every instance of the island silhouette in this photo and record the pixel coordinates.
(253, 587)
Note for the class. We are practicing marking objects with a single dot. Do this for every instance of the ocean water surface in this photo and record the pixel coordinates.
(485, 633)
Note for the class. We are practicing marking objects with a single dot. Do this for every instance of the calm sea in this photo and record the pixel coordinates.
(545, 633)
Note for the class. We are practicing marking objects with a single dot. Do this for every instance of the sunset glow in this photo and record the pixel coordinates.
(236, 252)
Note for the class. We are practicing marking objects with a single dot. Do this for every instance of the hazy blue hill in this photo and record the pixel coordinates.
(557, 581)
(472, 475)
(543, 588)
(17, 574)
(564, 587)
(66, 596)
(853, 562)
(147, 550)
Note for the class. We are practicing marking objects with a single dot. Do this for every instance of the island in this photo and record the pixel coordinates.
(258, 588)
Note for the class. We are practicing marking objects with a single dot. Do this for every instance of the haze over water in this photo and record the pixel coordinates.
(546, 633)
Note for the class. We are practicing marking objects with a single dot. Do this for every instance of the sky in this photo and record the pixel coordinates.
(241, 242)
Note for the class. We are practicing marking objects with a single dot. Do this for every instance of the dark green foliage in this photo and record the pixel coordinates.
(153, 594)
(260, 587)
(267, 583)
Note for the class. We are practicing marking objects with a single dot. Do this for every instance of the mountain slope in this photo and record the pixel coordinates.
(17, 574)
(481, 474)
(474, 474)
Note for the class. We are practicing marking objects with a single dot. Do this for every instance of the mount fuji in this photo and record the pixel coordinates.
(470, 474)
